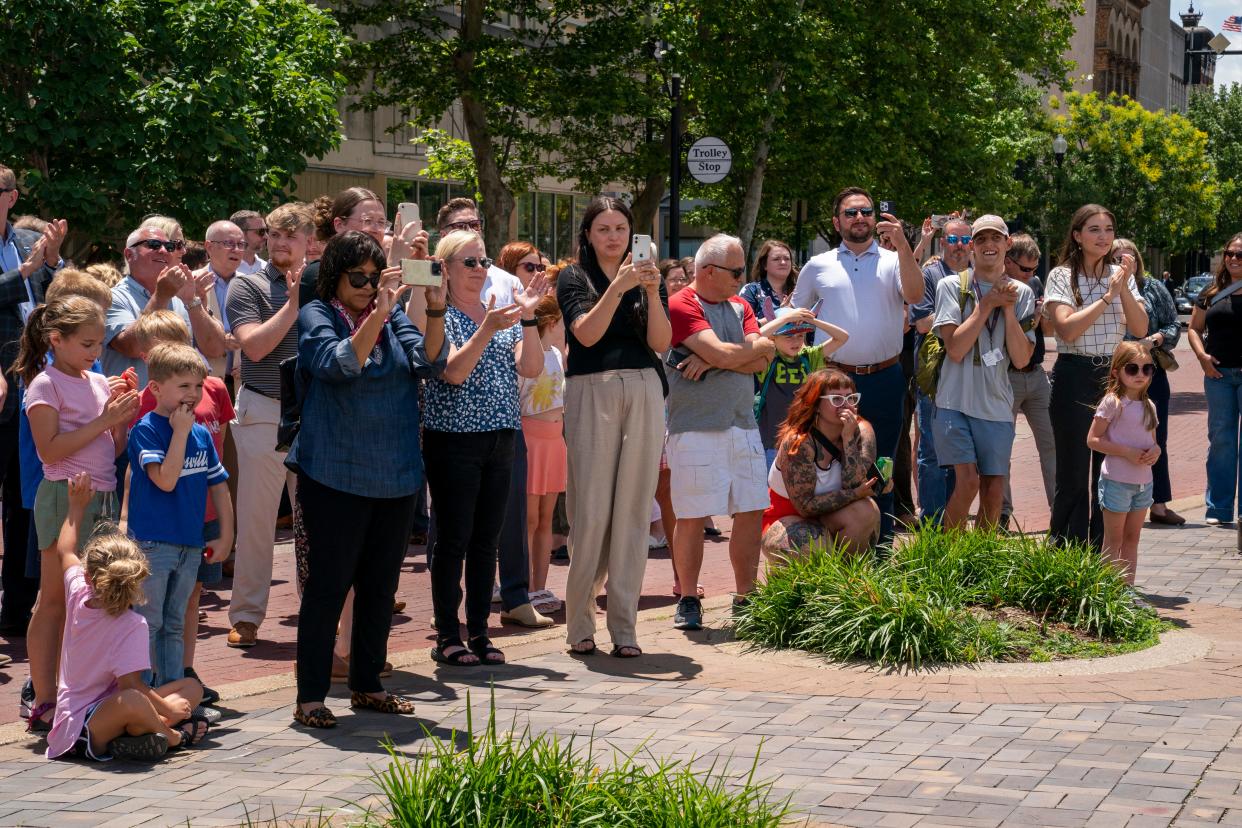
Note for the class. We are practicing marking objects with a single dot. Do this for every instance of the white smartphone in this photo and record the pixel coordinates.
(421, 272)
(641, 249)
(407, 211)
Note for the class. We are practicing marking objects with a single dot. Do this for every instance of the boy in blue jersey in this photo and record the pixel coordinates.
(175, 467)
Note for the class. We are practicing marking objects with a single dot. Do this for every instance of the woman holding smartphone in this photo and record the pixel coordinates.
(616, 321)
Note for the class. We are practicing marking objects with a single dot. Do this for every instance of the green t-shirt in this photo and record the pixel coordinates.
(787, 375)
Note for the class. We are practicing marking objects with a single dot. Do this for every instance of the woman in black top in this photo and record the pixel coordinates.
(1216, 338)
(616, 321)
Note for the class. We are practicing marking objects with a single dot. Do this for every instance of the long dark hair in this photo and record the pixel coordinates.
(760, 269)
(344, 251)
(1222, 276)
(589, 262)
(1071, 251)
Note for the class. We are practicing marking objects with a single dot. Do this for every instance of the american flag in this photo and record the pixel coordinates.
(1232, 23)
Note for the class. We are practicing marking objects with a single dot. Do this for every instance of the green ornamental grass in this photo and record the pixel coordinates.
(940, 599)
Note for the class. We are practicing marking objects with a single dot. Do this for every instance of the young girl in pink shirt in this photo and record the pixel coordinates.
(103, 708)
(1124, 431)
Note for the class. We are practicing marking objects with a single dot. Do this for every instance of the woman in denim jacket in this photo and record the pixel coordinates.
(358, 463)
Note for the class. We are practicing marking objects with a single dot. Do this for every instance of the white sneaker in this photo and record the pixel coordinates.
(655, 543)
(545, 600)
(1212, 521)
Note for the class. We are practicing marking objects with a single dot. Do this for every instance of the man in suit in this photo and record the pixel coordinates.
(28, 261)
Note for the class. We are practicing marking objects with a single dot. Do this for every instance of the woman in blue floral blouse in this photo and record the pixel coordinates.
(772, 279)
(471, 417)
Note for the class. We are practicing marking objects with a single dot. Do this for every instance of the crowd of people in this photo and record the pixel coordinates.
(154, 420)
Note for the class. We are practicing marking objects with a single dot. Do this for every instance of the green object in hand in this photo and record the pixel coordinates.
(885, 467)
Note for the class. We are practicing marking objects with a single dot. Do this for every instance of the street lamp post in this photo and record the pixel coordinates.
(1059, 146)
(674, 170)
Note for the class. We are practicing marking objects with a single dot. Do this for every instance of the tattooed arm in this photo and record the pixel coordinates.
(799, 471)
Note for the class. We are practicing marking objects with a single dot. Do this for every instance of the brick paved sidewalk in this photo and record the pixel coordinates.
(958, 754)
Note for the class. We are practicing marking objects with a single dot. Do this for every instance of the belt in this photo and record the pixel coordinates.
(1095, 361)
(1030, 366)
(864, 370)
(261, 392)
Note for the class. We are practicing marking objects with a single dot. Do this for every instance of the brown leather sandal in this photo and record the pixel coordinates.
(320, 717)
(389, 704)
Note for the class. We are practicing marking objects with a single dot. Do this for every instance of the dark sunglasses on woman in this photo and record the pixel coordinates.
(358, 279)
(531, 267)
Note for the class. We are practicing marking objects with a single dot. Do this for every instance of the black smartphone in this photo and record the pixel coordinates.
(887, 207)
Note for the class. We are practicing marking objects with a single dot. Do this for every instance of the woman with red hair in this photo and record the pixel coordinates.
(522, 259)
(824, 479)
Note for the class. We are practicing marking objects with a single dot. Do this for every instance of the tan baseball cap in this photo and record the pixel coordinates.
(990, 222)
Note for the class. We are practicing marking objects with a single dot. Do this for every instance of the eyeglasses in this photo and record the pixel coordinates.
(854, 212)
(359, 279)
(841, 400)
(531, 267)
(156, 244)
(475, 224)
(735, 271)
(1233, 254)
(373, 223)
(229, 244)
(472, 262)
(955, 239)
(262, 231)
(1132, 369)
(4, 190)
(1027, 270)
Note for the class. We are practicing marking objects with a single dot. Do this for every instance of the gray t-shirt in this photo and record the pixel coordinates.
(128, 300)
(721, 399)
(971, 386)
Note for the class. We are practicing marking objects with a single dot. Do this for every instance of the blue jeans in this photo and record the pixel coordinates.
(1224, 407)
(174, 570)
(935, 482)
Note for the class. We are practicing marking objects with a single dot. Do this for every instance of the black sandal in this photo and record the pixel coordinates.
(619, 651)
(482, 647)
(588, 651)
(189, 731)
(454, 659)
(145, 748)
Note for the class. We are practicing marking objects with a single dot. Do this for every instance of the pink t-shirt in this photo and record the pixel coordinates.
(1126, 427)
(98, 648)
(78, 401)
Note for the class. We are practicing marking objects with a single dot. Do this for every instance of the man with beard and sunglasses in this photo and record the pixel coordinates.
(863, 289)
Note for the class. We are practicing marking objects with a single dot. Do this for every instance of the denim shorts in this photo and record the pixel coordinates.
(1116, 496)
(962, 439)
(210, 573)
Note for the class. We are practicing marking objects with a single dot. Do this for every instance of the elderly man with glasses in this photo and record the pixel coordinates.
(154, 282)
(226, 248)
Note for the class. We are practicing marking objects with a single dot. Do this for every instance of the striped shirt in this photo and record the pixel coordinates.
(256, 298)
(1102, 336)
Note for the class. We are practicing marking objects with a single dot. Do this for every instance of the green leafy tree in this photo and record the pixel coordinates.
(1151, 169)
(1218, 113)
(112, 109)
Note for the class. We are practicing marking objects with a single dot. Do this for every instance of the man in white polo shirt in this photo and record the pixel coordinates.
(864, 289)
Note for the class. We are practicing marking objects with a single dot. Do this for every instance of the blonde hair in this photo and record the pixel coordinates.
(172, 359)
(158, 327)
(116, 568)
(65, 317)
(107, 273)
(294, 217)
(1125, 353)
(73, 282)
(453, 242)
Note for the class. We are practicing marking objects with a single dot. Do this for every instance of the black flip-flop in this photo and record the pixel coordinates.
(454, 659)
(617, 651)
(189, 732)
(145, 748)
(482, 647)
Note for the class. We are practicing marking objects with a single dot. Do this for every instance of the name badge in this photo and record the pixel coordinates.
(992, 357)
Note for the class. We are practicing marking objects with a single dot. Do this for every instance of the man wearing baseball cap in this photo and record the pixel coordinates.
(985, 329)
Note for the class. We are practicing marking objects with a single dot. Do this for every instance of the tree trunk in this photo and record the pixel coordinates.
(754, 187)
(498, 200)
(646, 204)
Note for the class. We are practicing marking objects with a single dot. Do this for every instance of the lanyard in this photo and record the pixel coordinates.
(994, 317)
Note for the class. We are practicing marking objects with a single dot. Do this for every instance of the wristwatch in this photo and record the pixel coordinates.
(194, 303)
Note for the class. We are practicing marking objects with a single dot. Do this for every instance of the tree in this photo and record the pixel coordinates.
(112, 109)
(1151, 169)
(1218, 113)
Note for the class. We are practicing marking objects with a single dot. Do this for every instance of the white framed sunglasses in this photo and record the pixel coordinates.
(841, 400)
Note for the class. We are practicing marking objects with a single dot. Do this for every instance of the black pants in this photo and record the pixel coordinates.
(19, 591)
(514, 549)
(1160, 393)
(356, 542)
(1077, 388)
(469, 475)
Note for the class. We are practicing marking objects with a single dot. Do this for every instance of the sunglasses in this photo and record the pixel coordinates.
(1232, 254)
(229, 244)
(476, 225)
(1132, 369)
(156, 244)
(855, 212)
(472, 262)
(955, 239)
(1027, 270)
(531, 267)
(358, 279)
(735, 271)
(841, 400)
(262, 231)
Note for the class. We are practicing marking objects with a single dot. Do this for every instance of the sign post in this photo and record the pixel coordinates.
(709, 160)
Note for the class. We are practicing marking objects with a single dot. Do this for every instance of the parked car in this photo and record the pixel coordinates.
(1189, 293)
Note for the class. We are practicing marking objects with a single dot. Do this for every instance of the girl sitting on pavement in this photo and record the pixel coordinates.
(103, 707)
(1124, 431)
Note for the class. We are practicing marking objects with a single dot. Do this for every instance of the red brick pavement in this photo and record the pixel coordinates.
(275, 653)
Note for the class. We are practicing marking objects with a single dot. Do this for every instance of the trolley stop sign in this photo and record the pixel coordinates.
(709, 160)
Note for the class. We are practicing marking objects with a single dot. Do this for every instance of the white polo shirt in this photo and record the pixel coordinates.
(860, 294)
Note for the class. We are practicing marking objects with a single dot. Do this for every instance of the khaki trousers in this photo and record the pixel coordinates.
(261, 477)
(614, 430)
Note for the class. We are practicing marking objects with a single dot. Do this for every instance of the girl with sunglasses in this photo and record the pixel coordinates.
(1124, 431)
(523, 260)
(1216, 338)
